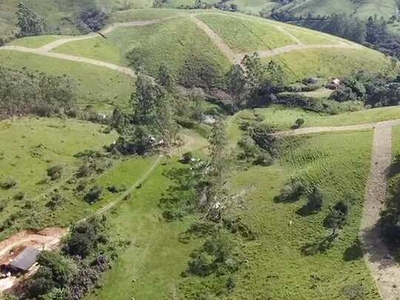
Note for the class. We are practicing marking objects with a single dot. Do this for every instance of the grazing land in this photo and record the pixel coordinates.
(283, 118)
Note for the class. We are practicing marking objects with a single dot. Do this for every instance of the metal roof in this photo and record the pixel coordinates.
(25, 259)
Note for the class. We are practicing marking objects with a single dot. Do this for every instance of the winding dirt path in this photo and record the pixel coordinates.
(237, 58)
(108, 30)
(124, 70)
(127, 193)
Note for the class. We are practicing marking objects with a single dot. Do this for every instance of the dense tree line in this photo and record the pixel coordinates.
(22, 93)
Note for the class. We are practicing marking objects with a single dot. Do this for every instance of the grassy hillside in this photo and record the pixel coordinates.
(178, 39)
(97, 86)
(30, 146)
(283, 118)
(335, 162)
(61, 15)
(172, 42)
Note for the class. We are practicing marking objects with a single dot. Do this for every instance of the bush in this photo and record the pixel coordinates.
(8, 184)
(291, 192)
(264, 159)
(94, 194)
(315, 200)
(55, 172)
(337, 216)
(299, 122)
(187, 157)
(55, 201)
(93, 19)
(19, 196)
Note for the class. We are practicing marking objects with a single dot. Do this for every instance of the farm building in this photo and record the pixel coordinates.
(25, 260)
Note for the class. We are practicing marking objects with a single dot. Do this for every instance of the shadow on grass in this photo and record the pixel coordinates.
(394, 168)
(375, 249)
(319, 245)
(306, 211)
(354, 252)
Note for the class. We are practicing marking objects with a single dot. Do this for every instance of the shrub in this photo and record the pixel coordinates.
(55, 172)
(315, 200)
(337, 216)
(94, 194)
(8, 184)
(93, 19)
(187, 157)
(55, 200)
(264, 159)
(291, 192)
(299, 122)
(85, 170)
(19, 196)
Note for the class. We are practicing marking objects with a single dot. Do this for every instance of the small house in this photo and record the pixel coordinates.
(25, 260)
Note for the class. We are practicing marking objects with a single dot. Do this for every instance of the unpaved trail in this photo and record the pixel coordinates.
(284, 31)
(125, 194)
(321, 129)
(299, 47)
(383, 267)
(216, 39)
(237, 58)
(108, 30)
(79, 59)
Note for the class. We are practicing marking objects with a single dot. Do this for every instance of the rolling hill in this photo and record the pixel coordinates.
(177, 37)
(272, 243)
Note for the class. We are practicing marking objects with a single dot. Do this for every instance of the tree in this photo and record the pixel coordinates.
(315, 200)
(299, 122)
(218, 141)
(236, 85)
(337, 216)
(29, 21)
(93, 19)
(197, 101)
(166, 79)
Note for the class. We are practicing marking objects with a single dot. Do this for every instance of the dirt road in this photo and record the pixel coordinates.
(79, 59)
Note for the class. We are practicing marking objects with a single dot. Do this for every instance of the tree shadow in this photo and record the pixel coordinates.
(354, 252)
(375, 249)
(320, 245)
(394, 168)
(305, 211)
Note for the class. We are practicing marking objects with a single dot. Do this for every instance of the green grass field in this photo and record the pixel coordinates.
(31, 145)
(331, 62)
(144, 14)
(338, 163)
(327, 160)
(282, 118)
(171, 42)
(150, 266)
(97, 86)
(245, 34)
(35, 41)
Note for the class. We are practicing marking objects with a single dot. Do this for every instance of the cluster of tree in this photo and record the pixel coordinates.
(150, 123)
(373, 32)
(373, 90)
(29, 22)
(69, 275)
(23, 93)
(92, 20)
(253, 82)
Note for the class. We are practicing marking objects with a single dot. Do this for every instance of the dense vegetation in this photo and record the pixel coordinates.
(87, 252)
(23, 93)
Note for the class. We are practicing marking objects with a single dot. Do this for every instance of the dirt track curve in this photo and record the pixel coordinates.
(238, 57)
(384, 269)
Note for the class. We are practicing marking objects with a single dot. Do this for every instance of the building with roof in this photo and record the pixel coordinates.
(25, 260)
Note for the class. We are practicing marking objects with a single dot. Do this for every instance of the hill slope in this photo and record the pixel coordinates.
(187, 41)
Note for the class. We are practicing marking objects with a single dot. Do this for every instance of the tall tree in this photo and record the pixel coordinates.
(166, 79)
(236, 84)
(29, 21)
